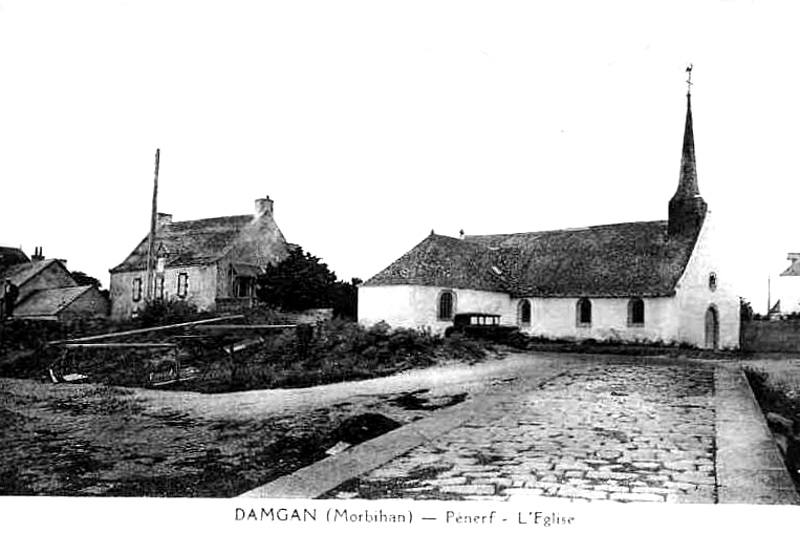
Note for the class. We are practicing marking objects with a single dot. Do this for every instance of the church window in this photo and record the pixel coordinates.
(636, 312)
(183, 284)
(584, 313)
(446, 305)
(525, 312)
(712, 281)
(136, 289)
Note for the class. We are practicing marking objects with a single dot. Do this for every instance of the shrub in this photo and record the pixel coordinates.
(163, 312)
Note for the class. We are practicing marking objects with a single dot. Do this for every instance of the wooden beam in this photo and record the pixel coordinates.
(143, 330)
(251, 327)
(122, 345)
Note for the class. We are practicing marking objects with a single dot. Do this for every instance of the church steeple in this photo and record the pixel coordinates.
(687, 209)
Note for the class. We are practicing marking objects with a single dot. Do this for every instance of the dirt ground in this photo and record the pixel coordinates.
(71, 439)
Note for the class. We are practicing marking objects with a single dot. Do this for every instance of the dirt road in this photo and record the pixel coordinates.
(94, 440)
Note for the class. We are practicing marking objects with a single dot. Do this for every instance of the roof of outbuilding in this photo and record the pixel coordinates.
(22, 272)
(190, 242)
(49, 302)
(630, 259)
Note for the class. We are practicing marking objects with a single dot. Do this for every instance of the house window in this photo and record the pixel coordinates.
(525, 312)
(584, 313)
(136, 289)
(160, 287)
(183, 284)
(446, 305)
(712, 281)
(243, 286)
(636, 312)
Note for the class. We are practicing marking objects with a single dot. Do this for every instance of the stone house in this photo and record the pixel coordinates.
(637, 281)
(47, 290)
(209, 263)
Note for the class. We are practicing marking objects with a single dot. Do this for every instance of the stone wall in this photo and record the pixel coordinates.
(91, 304)
(771, 336)
(201, 289)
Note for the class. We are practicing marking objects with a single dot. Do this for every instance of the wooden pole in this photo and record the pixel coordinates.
(151, 239)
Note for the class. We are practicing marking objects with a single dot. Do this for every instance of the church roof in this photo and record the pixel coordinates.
(618, 260)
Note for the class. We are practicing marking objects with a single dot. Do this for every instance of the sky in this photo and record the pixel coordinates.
(372, 123)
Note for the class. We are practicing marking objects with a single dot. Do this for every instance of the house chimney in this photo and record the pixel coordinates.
(263, 207)
(163, 220)
(37, 254)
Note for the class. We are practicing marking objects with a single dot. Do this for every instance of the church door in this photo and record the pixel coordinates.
(712, 329)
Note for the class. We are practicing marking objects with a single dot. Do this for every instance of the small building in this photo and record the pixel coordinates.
(47, 290)
(208, 263)
(785, 290)
(637, 281)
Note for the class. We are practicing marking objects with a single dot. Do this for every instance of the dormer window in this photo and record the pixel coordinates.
(712, 281)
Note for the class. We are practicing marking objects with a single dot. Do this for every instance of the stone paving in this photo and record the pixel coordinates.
(611, 431)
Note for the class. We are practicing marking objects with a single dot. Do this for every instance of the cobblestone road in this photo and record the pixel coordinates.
(606, 431)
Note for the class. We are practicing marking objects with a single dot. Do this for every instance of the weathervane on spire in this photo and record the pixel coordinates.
(689, 79)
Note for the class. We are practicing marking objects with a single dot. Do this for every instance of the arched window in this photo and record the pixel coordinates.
(636, 312)
(524, 312)
(447, 305)
(712, 281)
(584, 313)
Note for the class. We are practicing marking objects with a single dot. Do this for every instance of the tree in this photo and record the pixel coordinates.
(81, 278)
(302, 281)
(299, 282)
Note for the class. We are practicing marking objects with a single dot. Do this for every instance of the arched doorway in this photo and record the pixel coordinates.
(712, 328)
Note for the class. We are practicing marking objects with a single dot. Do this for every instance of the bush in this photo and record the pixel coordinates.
(164, 312)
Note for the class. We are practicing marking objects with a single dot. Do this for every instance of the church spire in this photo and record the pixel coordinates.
(687, 209)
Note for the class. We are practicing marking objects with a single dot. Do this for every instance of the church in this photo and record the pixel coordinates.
(657, 281)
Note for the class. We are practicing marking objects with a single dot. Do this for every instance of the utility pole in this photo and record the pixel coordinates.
(769, 295)
(151, 239)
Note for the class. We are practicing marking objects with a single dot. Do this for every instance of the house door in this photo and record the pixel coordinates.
(712, 329)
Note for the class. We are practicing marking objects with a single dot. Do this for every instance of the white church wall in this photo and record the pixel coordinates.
(556, 318)
(416, 306)
(695, 295)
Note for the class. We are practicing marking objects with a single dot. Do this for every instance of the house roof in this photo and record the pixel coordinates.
(49, 302)
(19, 274)
(11, 256)
(631, 259)
(794, 268)
(189, 242)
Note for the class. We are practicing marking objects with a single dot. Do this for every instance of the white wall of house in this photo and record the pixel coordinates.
(201, 289)
(417, 306)
(557, 318)
(694, 295)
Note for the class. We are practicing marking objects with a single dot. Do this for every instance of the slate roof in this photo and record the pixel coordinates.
(21, 273)
(793, 270)
(618, 260)
(49, 302)
(190, 242)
